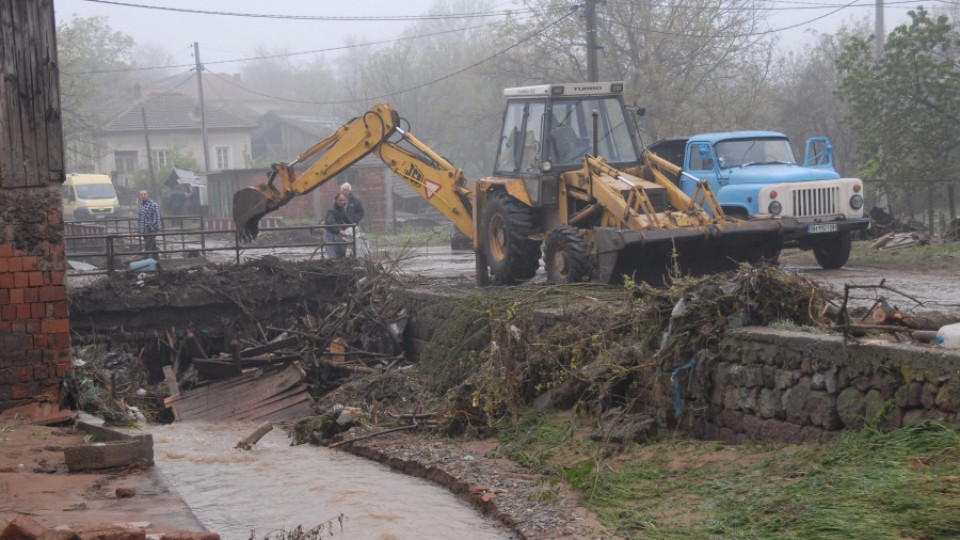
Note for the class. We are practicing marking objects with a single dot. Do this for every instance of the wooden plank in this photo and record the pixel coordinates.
(249, 396)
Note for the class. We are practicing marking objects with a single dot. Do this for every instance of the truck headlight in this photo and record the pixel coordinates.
(775, 208)
(856, 201)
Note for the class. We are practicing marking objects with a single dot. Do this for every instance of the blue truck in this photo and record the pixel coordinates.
(755, 172)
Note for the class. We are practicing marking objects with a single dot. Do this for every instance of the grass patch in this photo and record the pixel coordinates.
(934, 257)
(868, 484)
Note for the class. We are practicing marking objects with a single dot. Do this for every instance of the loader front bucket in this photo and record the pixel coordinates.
(249, 205)
(654, 255)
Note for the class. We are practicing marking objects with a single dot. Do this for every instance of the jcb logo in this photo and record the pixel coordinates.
(414, 174)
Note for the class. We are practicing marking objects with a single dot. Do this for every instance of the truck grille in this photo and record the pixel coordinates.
(813, 202)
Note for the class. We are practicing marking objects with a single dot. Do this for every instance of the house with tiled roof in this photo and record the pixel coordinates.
(170, 123)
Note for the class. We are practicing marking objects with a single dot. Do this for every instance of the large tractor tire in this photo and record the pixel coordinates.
(506, 227)
(832, 253)
(566, 256)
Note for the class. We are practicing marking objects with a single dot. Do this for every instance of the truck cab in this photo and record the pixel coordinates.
(755, 173)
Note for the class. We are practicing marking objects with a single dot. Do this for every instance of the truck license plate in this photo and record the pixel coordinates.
(822, 228)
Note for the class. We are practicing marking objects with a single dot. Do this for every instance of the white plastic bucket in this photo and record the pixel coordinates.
(949, 336)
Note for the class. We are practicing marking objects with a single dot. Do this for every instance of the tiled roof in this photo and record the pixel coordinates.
(172, 112)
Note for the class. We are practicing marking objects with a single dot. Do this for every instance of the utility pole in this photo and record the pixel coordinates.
(878, 30)
(590, 14)
(203, 110)
(146, 136)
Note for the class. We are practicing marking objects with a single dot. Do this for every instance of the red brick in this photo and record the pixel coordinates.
(61, 341)
(64, 367)
(4, 265)
(4, 326)
(6, 249)
(29, 264)
(18, 326)
(4, 297)
(6, 281)
(61, 310)
(37, 310)
(16, 296)
(40, 341)
(52, 293)
(21, 279)
(8, 312)
(36, 279)
(55, 278)
(22, 528)
(23, 311)
(30, 295)
(15, 264)
(55, 326)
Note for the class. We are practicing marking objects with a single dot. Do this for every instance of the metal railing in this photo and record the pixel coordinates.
(108, 246)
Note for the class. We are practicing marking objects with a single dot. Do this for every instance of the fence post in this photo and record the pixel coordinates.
(203, 237)
(110, 266)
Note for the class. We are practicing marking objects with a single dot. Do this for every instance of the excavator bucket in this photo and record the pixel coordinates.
(249, 205)
(653, 255)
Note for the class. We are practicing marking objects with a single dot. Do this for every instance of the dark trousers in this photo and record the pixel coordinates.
(150, 245)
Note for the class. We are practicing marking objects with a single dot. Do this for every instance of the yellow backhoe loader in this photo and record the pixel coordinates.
(569, 177)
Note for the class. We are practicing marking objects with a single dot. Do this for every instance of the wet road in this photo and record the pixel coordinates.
(935, 291)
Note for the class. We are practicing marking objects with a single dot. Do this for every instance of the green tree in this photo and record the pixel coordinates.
(92, 58)
(905, 106)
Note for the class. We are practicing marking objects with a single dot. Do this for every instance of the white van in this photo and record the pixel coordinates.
(89, 196)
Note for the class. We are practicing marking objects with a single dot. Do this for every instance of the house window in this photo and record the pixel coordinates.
(161, 158)
(126, 161)
(223, 157)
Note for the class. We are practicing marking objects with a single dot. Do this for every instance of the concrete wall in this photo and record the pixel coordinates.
(34, 324)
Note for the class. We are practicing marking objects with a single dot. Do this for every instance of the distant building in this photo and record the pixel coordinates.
(172, 123)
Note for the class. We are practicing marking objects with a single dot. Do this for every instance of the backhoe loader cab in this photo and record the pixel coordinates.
(550, 128)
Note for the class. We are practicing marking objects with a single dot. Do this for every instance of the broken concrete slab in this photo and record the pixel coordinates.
(107, 455)
(40, 413)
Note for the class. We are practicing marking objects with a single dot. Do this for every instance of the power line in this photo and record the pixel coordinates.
(412, 88)
(311, 17)
(285, 55)
(734, 35)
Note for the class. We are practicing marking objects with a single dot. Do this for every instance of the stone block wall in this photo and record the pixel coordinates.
(795, 387)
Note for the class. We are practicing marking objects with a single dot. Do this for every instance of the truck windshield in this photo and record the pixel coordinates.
(571, 131)
(746, 152)
(95, 191)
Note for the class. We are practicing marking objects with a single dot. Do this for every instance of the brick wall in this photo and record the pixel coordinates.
(34, 323)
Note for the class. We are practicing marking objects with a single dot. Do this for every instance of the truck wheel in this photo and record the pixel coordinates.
(566, 256)
(506, 227)
(832, 253)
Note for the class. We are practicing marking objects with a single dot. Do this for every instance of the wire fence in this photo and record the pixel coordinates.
(107, 246)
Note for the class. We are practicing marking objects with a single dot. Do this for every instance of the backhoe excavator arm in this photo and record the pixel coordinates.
(432, 176)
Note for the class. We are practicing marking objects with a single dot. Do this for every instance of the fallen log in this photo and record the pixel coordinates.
(371, 435)
(883, 313)
(254, 437)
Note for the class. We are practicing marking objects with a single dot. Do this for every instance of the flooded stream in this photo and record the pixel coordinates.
(277, 486)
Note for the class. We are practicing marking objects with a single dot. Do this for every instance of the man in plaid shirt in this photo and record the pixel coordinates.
(149, 220)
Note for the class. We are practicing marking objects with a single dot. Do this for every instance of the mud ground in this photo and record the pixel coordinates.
(34, 482)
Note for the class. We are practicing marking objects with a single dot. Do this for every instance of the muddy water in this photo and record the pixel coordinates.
(277, 486)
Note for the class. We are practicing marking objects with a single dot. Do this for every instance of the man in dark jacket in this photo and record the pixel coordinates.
(336, 238)
(354, 209)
